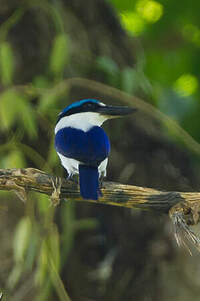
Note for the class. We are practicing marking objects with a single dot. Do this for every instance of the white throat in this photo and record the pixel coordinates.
(83, 121)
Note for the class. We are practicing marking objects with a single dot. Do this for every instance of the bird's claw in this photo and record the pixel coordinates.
(55, 196)
(101, 182)
(73, 178)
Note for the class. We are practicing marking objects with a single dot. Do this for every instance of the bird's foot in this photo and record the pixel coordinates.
(100, 186)
(73, 178)
(55, 196)
(101, 182)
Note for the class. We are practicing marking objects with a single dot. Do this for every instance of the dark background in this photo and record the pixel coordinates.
(145, 48)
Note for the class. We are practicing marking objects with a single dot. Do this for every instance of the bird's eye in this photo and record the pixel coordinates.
(89, 105)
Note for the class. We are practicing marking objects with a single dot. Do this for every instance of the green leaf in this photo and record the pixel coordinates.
(110, 68)
(6, 63)
(8, 109)
(14, 276)
(107, 65)
(32, 250)
(133, 23)
(47, 101)
(17, 108)
(15, 159)
(42, 267)
(26, 116)
(43, 203)
(50, 250)
(41, 82)
(59, 54)
(21, 239)
(54, 246)
(129, 80)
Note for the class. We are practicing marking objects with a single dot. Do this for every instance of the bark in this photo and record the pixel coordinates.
(116, 194)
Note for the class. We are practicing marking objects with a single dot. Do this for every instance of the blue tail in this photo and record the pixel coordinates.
(89, 182)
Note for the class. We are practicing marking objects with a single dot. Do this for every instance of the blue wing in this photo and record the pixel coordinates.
(90, 147)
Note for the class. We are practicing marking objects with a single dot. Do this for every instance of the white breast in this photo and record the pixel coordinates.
(82, 121)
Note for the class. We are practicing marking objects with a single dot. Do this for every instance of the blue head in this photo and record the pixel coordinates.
(95, 106)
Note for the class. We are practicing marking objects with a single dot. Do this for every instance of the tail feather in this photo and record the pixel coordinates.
(89, 182)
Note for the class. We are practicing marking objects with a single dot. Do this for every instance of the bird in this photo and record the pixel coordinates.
(81, 143)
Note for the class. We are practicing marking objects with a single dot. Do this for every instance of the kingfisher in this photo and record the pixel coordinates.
(81, 143)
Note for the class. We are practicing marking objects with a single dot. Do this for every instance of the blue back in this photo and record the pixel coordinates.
(90, 147)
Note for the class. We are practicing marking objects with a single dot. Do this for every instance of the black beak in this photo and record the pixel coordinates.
(113, 111)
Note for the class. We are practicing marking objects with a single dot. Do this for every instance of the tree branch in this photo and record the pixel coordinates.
(30, 179)
(183, 207)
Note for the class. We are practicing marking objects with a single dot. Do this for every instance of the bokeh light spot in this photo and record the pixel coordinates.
(150, 10)
(191, 33)
(133, 23)
(186, 85)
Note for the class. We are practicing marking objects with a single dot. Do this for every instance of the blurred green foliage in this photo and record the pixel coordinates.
(6, 63)
(171, 38)
(167, 39)
(36, 244)
(59, 54)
